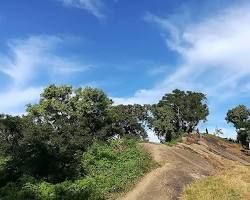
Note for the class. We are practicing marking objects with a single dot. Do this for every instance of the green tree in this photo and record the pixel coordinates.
(189, 107)
(71, 112)
(162, 123)
(178, 112)
(48, 143)
(238, 115)
(11, 133)
(129, 121)
(240, 118)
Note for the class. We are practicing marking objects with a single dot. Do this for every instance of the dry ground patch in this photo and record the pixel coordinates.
(228, 184)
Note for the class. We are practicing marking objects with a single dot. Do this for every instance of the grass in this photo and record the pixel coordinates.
(229, 184)
(111, 169)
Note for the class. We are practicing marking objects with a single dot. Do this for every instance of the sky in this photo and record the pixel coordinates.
(136, 51)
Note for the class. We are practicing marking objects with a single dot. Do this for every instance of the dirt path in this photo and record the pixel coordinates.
(180, 165)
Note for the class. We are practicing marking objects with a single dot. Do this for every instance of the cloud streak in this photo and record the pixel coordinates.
(27, 56)
(217, 47)
(94, 7)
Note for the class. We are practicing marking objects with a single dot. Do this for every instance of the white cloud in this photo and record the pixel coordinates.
(92, 6)
(13, 99)
(25, 62)
(214, 54)
(27, 56)
(217, 47)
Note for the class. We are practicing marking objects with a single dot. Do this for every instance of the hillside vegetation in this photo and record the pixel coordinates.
(111, 169)
(75, 143)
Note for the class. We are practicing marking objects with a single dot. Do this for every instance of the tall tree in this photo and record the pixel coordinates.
(179, 112)
(189, 107)
(57, 130)
(240, 118)
(11, 131)
(238, 115)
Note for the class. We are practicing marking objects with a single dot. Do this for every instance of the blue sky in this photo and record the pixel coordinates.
(134, 50)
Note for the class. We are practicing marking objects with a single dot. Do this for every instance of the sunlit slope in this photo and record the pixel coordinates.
(193, 159)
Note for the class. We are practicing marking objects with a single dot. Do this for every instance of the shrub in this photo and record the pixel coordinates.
(79, 190)
(117, 165)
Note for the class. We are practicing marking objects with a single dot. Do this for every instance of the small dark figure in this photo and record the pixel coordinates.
(206, 131)
(198, 132)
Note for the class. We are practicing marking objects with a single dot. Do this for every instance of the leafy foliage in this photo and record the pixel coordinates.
(74, 115)
(129, 121)
(111, 168)
(178, 112)
(48, 143)
(163, 123)
(240, 118)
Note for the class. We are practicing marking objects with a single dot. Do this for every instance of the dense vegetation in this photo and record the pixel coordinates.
(76, 144)
(110, 167)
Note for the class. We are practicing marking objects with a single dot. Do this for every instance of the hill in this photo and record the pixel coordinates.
(192, 159)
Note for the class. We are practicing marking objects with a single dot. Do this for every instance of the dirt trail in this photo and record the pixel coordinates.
(179, 166)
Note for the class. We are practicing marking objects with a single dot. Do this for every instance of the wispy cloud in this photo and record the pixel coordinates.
(26, 57)
(214, 54)
(26, 61)
(212, 51)
(95, 7)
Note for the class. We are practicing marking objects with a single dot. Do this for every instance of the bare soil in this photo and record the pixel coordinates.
(182, 164)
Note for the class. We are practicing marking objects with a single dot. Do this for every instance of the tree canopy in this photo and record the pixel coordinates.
(240, 118)
(179, 112)
(128, 120)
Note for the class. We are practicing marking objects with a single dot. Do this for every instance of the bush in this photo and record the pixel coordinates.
(86, 188)
(117, 165)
